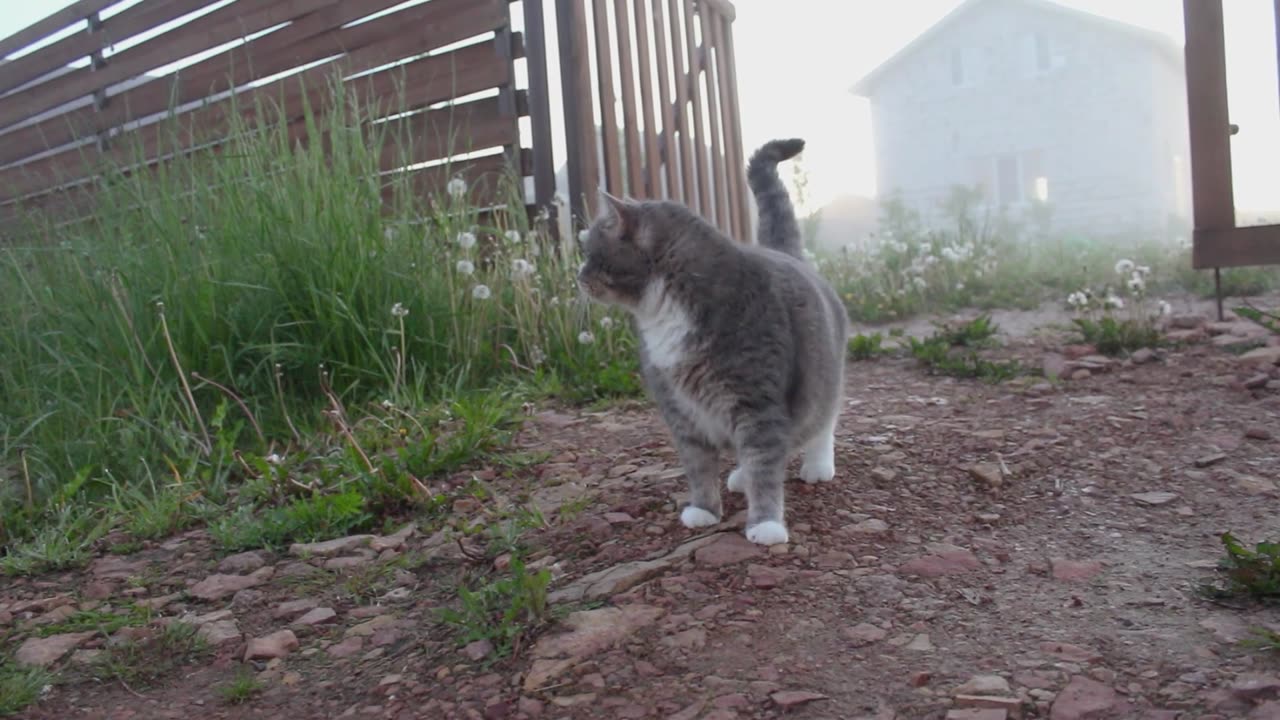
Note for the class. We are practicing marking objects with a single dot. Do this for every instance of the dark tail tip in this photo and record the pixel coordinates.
(765, 159)
(785, 149)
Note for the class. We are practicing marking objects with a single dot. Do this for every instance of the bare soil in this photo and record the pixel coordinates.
(1049, 538)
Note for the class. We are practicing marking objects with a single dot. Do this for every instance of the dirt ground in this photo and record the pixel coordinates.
(1029, 549)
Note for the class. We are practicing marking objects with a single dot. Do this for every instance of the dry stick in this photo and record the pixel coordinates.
(284, 408)
(336, 414)
(186, 388)
(247, 413)
(26, 477)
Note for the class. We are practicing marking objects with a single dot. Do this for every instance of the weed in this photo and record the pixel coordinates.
(102, 621)
(20, 685)
(64, 542)
(1249, 573)
(953, 350)
(505, 611)
(1268, 320)
(138, 663)
(306, 519)
(242, 687)
(865, 347)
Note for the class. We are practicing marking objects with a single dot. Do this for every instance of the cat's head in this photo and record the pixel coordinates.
(619, 251)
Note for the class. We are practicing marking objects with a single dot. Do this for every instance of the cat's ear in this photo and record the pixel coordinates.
(616, 209)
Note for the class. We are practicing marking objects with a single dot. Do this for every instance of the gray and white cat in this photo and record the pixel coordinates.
(742, 346)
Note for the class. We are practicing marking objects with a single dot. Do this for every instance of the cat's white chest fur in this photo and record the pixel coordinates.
(664, 326)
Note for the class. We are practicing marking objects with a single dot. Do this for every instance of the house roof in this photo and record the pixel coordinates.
(1160, 43)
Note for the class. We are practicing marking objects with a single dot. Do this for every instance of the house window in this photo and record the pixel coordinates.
(1042, 189)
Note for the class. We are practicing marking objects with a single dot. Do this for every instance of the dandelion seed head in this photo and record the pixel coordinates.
(456, 188)
(586, 337)
(466, 240)
(481, 292)
(512, 236)
(521, 268)
(606, 322)
(1124, 267)
(399, 310)
(465, 267)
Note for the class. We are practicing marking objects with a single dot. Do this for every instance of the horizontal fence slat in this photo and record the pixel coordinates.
(416, 84)
(132, 21)
(1235, 247)
(484, 177)
(223, 25)
(313, 37)
(51, 24)
(437, 134)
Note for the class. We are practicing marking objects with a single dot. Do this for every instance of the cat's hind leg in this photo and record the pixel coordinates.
(701, 463)
(820, 456)
(762, 454)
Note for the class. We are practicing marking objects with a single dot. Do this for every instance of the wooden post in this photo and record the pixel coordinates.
(544, 170)
(575, 77)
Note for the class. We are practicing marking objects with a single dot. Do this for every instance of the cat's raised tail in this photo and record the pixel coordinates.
(777, 228)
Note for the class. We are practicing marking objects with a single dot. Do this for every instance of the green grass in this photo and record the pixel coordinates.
(1249, 573)
(158, 353)
(955, 350)
(98, 620)
(504, 610)
(1113, 336)
(20, 685)
(242, 687)
(140, 663)
(865, 347)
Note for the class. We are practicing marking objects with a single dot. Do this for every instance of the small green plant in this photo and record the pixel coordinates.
(1249, 573)
(953, 350)
(66, 541)
(865, 347)
(1268, 320)
(505, 611)
(1113, 336)
(1264, 639)
(138, 663)
(242, 687)
(306, 519)
(1097, 317)
(20, 685)
(102, 621)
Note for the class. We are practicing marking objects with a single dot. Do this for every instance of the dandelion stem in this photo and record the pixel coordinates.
(186, 387)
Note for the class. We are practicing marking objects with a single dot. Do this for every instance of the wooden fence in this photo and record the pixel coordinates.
(110, 80)
(1217, 242)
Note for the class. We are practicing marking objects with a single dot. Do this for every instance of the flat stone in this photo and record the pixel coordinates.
(864, 634)
(1007, 705)
(1075, 570)
(1083, 699)
(984, 685)
(691, 639)
(276, 645)
(115, 567)
(976, 714)
(1251, 485)
(330, 548)
(1155, 498)
(870, 526)
(347, 648)
(1212, 459)
(988, 475)
(316, 616)
(1263, 356)
(1070, 653)
(589, 632)
(920, 643)
(477, 650)
(726, 549)
(792, 698)
(369, 627)
(1142, 356)
(217, 587)
(219, 632)
(945, 563)
(292, 608)
(348, 562)
(242, 563)
(765, 577)
(395, 541)
(46, 651)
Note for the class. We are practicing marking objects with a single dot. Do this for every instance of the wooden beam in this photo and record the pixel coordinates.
(1208, 120)
(544, 170)
(575, 74)
(51, 24)
(1236, 247)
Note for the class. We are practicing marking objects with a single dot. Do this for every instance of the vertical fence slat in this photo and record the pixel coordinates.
(662, 50)
(733, 123)
(652, 161)
(583, 164)
(699, 128)
(544, 169)
(608, 113)
(631, 129)
(688, 190)
(720, 199)
(734, 186)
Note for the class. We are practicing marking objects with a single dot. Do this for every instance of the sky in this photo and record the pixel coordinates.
(797, 59)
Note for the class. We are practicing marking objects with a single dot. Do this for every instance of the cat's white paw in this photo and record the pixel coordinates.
(696, 517)
(737, 480)
(768, 532)
(822, 469)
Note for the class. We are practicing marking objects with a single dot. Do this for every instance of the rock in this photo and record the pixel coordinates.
(1263, 356)
(99, 590)
(791, 698)
(834, 559)
(56, 615)
(217, 587)
(1258, 433)
(864, 634)
(1239, 343)
(1142, 356)
(1188, 321)
(976, 714)
(870, 526)
(691, 639)
(1083, 699)
(1053, 365)
(1185, 336)
(329, 548)
(316, 616)
(1070, 653)
(530, 706)
(949, 562)
(589, 632)
(884, 474)
(610, 581)
(46, 651)
(219, 632)
(1155, 498)
(988, 475)
(276, 645)
(920, 643)
(1251, 485)
(369, 627)
(1212, 459)
(293, 607)
(1266, 711)
(1226, 628)
(1081, 374)
(726, 549)
(618, 518)
(478, 650)
(984, 685)
(115, 567)
(1007, 705)
(242, 563)
(1255, 687)
(345, 649)
(765, 577)
(395, 541)
(349, 562)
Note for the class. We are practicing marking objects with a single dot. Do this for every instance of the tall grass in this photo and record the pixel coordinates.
(255, 279)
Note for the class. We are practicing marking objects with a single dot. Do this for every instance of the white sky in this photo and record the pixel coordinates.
(796, 60)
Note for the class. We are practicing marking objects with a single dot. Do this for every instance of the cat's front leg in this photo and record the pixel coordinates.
(701, 463)
(762, 457)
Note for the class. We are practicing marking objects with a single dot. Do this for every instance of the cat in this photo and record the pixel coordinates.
(742, 346)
